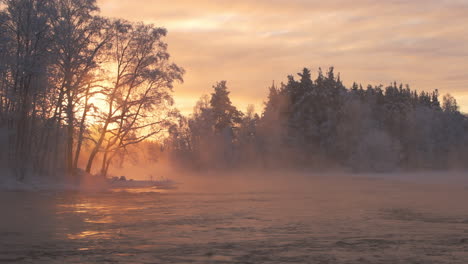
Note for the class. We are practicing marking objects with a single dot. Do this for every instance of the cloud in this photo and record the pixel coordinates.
(251, 43)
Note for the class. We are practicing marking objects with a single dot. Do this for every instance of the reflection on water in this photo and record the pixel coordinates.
(140, 190)
(89, 234)
(361, 221)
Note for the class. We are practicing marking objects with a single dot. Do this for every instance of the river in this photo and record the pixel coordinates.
(320, 220)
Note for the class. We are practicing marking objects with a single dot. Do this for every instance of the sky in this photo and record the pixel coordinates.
(251, 43)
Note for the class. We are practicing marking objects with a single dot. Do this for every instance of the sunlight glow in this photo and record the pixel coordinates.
(202, 23)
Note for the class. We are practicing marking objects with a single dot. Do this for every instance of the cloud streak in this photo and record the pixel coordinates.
(251, 43)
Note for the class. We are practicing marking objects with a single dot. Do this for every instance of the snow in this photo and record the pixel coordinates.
(90, 183)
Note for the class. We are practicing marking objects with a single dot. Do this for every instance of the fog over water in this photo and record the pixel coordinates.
(278, 217)
(100, 162)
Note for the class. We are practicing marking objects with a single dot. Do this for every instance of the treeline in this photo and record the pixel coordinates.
(320, 124)
(78, 89)
(72, 80)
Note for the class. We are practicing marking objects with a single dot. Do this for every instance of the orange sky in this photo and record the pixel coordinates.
(250, 43)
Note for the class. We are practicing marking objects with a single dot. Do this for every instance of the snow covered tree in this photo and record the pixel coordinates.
(80, 38)
(25, 37)
(225, 114)
(247, 138)
(449, 104)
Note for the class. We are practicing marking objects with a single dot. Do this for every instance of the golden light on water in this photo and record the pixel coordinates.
(88, 234)
(92, 214)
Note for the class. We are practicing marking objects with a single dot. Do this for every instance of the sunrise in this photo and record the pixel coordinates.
(268, 131)
(252, 43)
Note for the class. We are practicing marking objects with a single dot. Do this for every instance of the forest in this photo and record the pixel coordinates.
(78, 90)
(318, 124)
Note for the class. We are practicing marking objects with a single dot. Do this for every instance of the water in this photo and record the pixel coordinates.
(321, 220)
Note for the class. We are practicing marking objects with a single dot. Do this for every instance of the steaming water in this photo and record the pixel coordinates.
(321, 220)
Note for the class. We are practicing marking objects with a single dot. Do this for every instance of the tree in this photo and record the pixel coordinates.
(225, 114)
(449, 104)
(80, 38)
(139, 97)
(25, 47)
(247, 138)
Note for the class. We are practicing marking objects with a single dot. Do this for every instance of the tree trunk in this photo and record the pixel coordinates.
(82, 129)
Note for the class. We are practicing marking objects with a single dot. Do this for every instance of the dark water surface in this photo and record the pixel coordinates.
(325, 220)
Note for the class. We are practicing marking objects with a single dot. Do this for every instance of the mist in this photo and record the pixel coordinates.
(98, 163)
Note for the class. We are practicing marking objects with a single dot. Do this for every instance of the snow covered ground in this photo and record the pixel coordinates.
(85, 184)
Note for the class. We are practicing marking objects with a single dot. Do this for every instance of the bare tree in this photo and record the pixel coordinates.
(139, 97)
(57, 57)
(79, 39)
